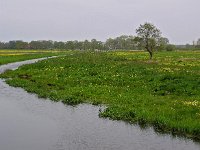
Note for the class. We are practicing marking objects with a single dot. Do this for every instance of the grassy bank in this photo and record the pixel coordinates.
(163, 92)
(8, 56)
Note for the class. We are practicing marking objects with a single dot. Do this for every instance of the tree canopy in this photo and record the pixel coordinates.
(148, 37)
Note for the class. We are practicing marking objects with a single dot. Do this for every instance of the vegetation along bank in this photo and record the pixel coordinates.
(162, 92)
(9, 56)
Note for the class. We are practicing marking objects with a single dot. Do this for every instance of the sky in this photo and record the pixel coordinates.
(63, 20)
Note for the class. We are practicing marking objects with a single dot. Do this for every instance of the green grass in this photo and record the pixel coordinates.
(9, 56)
(163, 93)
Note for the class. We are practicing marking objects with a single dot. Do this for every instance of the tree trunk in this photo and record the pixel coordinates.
(150, 53)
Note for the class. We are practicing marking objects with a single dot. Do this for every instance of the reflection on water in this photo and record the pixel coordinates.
(29, 123)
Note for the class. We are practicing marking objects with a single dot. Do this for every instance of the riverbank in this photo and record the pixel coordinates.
(163, 92)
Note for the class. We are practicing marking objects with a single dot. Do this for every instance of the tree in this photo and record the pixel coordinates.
(163, 43)
(123, 42)
(59, 45)
(170, 47)
(110, 44)
(70, 45)
(96, 45)
(21, 45)
(86, 45)
(148, 37)
(11, 44)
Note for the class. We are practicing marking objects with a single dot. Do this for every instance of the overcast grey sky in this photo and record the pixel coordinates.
(179, 20)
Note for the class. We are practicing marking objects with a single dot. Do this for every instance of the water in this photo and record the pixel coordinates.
(30, 123)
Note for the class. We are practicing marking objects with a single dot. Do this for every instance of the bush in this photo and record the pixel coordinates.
(170, 47)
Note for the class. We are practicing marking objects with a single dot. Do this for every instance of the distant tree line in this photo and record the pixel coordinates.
(188, 47)
(123, 42)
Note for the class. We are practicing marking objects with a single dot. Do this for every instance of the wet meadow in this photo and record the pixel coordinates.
(163, 92)
(8, 56)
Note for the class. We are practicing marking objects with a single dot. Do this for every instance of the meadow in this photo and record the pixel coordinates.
(162, 93)
(8, 56)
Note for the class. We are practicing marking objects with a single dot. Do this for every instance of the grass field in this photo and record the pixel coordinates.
(8, 56)
(163, 92)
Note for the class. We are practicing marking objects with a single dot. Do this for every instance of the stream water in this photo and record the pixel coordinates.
(30, 123)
